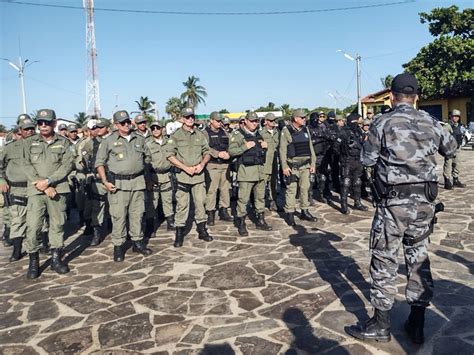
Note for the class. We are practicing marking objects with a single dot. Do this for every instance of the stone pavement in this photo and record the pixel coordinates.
(289, 291)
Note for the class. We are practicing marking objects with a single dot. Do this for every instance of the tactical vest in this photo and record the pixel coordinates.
(319, 138)
(254, 155)
(218, 141)
(457, 133)
(300, 143)
(353, 145)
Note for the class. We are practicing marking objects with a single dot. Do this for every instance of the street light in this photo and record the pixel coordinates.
(357, 60)
(20, 68)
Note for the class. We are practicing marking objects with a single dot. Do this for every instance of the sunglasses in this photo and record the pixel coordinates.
(128, 123)
(155, 128)
(188, 117)
(44, 123)
(253, 121)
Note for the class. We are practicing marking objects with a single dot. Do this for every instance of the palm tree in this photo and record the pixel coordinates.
(173, 107)
(386, 81)
(286, 110)
(194, 94)
(81, 118)
(271, 106)
(146, 107)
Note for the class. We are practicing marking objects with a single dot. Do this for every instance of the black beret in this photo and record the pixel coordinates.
(405, 83)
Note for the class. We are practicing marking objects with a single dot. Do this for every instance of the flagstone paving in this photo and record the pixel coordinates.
(289, 291)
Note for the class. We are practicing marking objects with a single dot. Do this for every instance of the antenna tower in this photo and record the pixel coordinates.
(92, 75)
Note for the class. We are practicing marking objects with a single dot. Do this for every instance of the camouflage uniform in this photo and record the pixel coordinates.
(402, 146)
(452, 166)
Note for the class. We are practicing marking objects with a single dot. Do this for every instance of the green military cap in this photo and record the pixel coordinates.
(456, 112)
(140, 118)
(62, 126)
(26, 123)
(46, 114)
(23, 116)
(270, 117)
(72, 128)
(366, 122)
(121, 116)
(187, 111)
(251, 116)
(226, 120)
(102, 122)
(299, 113)
(156, 123)
(215, 116)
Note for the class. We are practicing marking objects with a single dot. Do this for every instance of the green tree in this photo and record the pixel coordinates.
(386, 81)
(3, 129)
(444, 67)
(146, 107)
(81, 118)
(223, 111)
(286, 109)
(174, 106)
(194, 94)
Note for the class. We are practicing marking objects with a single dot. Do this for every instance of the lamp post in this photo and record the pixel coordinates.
(357, 60)
(20, 68)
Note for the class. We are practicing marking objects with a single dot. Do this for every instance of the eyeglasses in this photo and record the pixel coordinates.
(29, 129)
(188, 117)
(44, 123)
(253, 121)
(155, 128)
(128, 122)
(144, 122)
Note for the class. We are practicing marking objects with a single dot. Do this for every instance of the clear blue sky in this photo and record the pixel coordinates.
(243, 61)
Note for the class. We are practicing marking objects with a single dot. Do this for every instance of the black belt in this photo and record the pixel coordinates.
(405, 190)
(18, 200)
(97, 197)
(161, 171)
(126, 177)
(17, 183)
(298, 165)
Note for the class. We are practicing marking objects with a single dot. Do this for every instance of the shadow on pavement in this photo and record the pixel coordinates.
(456, 258)
(217, 349)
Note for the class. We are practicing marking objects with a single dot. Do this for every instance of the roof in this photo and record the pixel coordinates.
(376, 96)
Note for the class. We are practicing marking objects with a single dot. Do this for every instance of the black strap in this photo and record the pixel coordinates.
(410, 240)
(97, 197)
(166, 190)
(126, 177)
(18, 200)
(17, 183)
(183, 187)
(161, 171)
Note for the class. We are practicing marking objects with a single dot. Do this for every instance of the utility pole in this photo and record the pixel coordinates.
(92, 75)
(357, 60)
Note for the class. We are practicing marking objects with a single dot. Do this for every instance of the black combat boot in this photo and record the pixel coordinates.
(376, 328)
(44, 243)
(56, 263)
(344, 194)
(16, 253)
(6, 236)
(179, 238)
(261, 223)
(202, 232)
(224, 215)
(81, 218)
(140, 247)
(359, 206)
(241, 226)
(458, 183)
(96, 236)
(448, 185)
(211, 218)
(415, 324)
(88, 230)
(290, 219)
(170, 223)
(33, 266)
(118, 253)
(306, 216)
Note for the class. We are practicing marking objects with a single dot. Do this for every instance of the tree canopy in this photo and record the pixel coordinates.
(194, 93)
(444, 67)
(174, 106)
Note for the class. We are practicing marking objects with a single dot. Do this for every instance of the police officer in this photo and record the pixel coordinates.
(188, 151)
(248, 145)
(162, 189)
(271, 135)
(402, 147)
(141, 126)
(333, 152)
(452, 166)
(13, 183)
(298, 161)
(125, 156)
(218, 170)
(48, 159)
(62, 130)
(350, 140)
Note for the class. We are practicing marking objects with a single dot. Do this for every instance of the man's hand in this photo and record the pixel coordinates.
(264, 144)
(41, 185)
(223, 155)
(109, 186)
(149, 185)
(312, 170)
(250, 144)
(50, 192)
(189, 170)
(4, 187)
(198, 168)
(287, 172)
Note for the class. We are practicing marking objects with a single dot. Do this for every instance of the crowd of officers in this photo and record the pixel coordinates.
(131, 176)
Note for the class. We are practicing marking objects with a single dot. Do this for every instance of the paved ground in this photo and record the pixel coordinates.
(289, 291)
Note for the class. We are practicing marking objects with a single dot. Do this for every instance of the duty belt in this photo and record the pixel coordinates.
(17, 183)
(126, 177)
(406, 190)
(298, 165)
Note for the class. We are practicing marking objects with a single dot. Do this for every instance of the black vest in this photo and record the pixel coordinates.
(218, 141)
(320, 138)
(254, 155)
(300, 143)
(457, 133)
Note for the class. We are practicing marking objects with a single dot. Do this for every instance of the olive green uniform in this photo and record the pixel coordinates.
(270, 169)
(125, 162)
(189, 147)
(83, 203)
(53, 161)
(300, 174)
(160, 175)
(251, 178)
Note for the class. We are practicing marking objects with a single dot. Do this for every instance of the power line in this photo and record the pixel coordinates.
(392, 53)
(217, 13)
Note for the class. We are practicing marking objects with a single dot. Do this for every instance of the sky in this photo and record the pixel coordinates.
(243, 61)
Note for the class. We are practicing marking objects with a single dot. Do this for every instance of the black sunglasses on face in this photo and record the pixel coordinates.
(44, 123)
(155, 128)
(253, 121)
(125, 123)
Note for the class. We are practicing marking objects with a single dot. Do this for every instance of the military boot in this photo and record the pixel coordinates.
(241, 226)
(56, 263)
(16, 253)
(96, 236)
(202, 232)
(261, 223)
(140, 247)
(290, 219)
(6, 236)
(81, 218)
(118, 253)
(458, 183)
(448, 185)
(224, 215)
(415, 324)
(33, 266)
(306, 216)
(376, 328)
(211, 218)
(88, 230)
(359, 206)
(44, 243)
(179, 238)
(170, 223)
